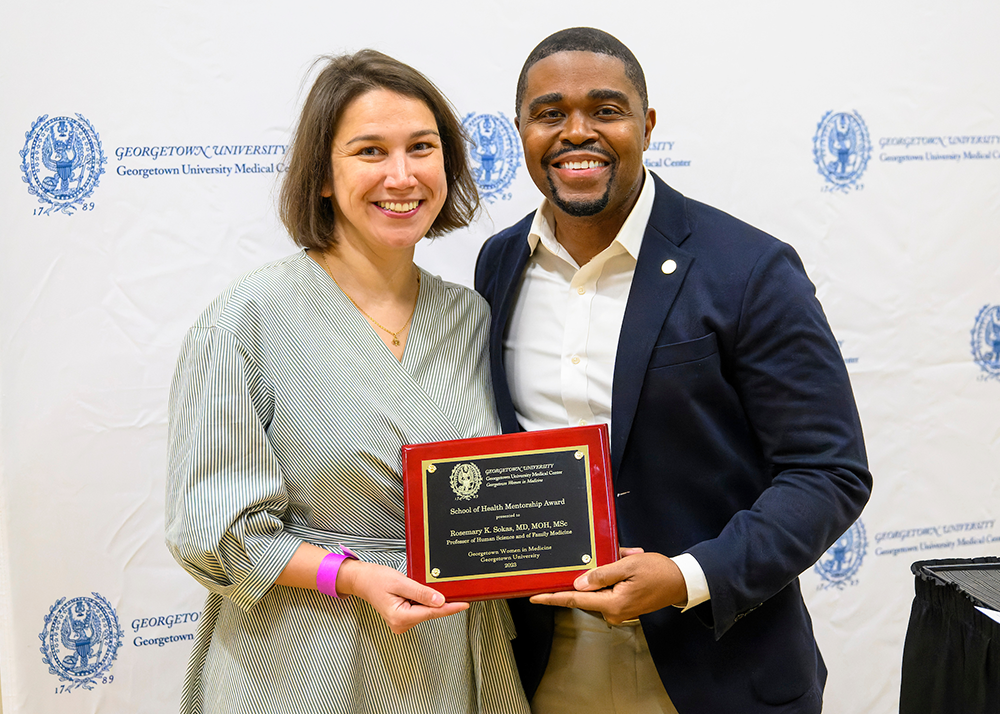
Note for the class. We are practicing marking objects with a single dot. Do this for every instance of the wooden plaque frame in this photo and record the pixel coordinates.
(445, 485)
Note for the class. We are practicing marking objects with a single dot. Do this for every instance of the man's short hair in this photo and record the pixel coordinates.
(308, 216)
(584, 39)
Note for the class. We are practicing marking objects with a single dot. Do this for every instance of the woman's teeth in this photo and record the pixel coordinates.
(398, 207)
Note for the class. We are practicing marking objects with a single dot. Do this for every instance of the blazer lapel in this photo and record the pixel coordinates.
(509, 274)
(654, 288)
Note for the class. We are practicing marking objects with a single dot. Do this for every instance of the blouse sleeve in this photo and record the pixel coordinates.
(225, 491)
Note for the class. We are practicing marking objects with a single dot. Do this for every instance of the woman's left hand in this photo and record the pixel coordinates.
(400, 601)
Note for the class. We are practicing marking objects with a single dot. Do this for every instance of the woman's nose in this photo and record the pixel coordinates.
(399, 173)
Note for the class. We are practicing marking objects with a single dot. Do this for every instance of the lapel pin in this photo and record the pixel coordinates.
(668, 266)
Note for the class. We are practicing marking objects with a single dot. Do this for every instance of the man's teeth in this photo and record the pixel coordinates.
(582, 164)
(398, 207)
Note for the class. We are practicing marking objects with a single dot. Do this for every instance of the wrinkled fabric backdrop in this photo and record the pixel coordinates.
(141, 148)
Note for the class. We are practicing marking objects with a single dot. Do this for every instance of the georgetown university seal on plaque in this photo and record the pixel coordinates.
(841, 148)
(465, 481)
(80, 641)
(62, 162)
(986, 341)
(840, 564)
(495, 153)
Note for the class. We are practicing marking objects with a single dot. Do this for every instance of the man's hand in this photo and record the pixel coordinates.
(638, 583)
(400, 601)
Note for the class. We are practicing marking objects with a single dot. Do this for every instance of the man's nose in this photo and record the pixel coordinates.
(578, 129)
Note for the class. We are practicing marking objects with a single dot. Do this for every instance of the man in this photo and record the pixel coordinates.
(737, 452)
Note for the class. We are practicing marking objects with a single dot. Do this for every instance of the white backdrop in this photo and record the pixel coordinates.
(96, 295)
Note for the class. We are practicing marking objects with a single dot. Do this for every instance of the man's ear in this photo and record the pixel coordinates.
(650, 123)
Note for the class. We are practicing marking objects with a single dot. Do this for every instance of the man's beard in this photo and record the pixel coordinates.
(582, 208)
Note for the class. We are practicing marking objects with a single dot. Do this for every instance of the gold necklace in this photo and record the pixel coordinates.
(395, 335)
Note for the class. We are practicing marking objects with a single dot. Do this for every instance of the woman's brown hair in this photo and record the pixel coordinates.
(307, 215)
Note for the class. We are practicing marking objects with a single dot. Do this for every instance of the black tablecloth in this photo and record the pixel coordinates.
(951, 658)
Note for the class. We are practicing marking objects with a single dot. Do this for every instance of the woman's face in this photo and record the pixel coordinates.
(389, 182)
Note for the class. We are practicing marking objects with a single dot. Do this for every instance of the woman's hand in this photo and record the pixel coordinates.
(400, 601)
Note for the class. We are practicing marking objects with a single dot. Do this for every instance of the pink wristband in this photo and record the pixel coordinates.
(326, 576)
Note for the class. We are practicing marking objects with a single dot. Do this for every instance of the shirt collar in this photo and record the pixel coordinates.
(629, 236)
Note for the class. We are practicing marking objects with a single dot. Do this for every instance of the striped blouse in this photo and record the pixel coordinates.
(287, 415)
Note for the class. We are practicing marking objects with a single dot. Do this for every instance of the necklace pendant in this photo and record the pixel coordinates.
(395, 341)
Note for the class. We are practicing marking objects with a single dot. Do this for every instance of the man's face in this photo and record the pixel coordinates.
(583, 130)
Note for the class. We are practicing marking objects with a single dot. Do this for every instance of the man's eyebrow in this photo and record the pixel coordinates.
(379, 137)
(612, 94)
(550, 98)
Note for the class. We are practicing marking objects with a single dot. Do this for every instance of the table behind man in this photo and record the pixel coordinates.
(736, 443)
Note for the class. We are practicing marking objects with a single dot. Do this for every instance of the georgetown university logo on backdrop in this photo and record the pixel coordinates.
(986, 341)
(62, 162)
(494, 152)
(80, 641)
(841, 149)
(839, 565)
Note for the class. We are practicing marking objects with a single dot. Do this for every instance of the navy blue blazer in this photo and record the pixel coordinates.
(734, 437)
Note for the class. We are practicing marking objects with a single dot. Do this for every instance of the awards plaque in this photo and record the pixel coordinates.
(510, 515)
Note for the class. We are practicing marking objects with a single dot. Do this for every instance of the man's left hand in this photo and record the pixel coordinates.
(623, 590)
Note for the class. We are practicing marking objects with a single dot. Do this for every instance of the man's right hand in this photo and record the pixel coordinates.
(635, 585)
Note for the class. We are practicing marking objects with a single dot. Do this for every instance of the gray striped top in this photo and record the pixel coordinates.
(287, 415)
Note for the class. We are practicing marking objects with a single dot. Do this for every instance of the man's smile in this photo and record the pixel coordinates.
(576, 165)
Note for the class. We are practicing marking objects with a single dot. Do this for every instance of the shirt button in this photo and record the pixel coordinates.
(575, 360)
(582, 422)
(581, 290)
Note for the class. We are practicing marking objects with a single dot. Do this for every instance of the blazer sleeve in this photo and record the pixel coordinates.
(794, 388)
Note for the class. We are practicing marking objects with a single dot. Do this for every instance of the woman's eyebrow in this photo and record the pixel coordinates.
(380, 137)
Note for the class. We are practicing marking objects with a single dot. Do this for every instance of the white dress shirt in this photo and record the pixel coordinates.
(562, 337)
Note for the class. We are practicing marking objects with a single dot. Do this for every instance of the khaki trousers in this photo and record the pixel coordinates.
(596, 668)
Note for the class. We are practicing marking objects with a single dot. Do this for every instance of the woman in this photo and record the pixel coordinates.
(293, 394)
